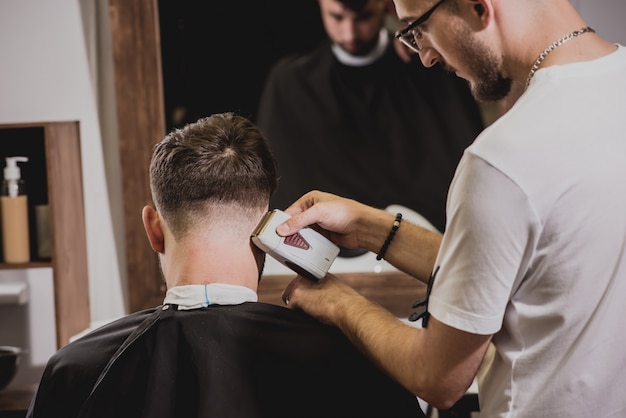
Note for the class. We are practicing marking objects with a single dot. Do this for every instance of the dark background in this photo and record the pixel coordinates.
(216, 54)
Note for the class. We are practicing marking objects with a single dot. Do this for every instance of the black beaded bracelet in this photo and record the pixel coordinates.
(394, 228)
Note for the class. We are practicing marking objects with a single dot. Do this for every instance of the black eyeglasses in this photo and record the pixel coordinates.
(411, 35)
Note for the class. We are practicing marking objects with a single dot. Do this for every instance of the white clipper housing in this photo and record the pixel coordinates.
(307, 252)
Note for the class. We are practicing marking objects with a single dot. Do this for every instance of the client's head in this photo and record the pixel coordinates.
(211, 182)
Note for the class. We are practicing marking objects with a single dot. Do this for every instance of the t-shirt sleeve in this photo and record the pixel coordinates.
(485, 249)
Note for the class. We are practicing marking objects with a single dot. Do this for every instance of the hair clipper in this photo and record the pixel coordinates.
(307, 252)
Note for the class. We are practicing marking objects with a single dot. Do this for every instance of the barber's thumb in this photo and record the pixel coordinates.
(283, 229)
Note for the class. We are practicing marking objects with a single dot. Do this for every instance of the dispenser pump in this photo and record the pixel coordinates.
(12, 174)
(14, 214)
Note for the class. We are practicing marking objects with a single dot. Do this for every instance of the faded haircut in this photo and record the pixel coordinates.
(219, 161)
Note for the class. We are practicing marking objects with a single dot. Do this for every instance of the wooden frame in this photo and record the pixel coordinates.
(141, 122)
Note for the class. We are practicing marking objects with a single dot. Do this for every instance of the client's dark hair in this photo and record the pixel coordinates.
(222, 159)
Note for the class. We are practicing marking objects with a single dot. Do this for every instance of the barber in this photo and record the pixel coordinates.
(533, 259)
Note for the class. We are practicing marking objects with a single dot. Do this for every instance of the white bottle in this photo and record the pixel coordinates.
(14, 202)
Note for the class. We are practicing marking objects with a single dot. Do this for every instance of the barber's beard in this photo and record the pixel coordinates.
(488, 82)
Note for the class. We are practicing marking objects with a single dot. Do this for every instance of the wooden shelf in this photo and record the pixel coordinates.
(16, 400)
(55, 171)
(29, 265)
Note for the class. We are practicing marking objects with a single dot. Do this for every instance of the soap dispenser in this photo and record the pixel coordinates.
(14, 202)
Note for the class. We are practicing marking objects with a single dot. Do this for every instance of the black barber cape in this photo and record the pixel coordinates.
(385, 133)
(244, 361)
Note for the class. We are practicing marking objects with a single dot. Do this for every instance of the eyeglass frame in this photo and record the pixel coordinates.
(402, 33)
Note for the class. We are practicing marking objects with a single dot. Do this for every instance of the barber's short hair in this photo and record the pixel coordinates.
(221, 160)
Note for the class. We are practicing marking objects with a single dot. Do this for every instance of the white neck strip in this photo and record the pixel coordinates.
(363, 60)
(200, 296)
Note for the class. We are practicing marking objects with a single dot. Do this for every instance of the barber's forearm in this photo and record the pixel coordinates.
(384, 339)
(413, 249)
(437, 364)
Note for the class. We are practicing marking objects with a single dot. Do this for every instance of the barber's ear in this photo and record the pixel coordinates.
(482, 10)
(154, 231)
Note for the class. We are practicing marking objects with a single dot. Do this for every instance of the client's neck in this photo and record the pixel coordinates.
(215, 258)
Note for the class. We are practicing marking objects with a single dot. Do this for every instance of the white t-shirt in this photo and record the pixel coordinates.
(535, 246)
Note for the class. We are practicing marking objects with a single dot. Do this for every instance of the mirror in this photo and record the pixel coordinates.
(216, 55)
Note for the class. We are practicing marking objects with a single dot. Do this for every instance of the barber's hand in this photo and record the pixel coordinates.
(336, 217)
(321, 299)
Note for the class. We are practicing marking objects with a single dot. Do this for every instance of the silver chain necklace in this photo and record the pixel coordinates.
(552, 47)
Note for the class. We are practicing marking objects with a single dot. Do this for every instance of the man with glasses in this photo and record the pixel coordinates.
(353, 118)
(533, 258)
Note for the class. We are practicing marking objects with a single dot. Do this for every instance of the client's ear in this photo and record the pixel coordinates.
(154, 231)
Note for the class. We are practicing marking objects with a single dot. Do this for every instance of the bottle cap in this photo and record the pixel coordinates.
(12, 170)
